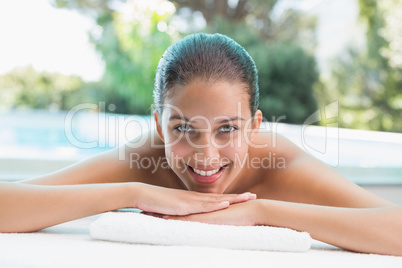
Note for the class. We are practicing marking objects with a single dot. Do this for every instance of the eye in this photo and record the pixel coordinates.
(184, 128)
(227, 128)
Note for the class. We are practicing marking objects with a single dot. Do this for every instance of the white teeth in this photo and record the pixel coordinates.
(205, 173)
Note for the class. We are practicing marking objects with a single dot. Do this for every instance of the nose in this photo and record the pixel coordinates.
(204, 151)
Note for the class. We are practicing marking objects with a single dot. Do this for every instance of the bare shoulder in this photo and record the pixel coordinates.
(148, 163)
(271, 144)
(305, 179)
(130, 162)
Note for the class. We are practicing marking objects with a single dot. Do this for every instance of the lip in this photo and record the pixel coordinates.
(206, 179)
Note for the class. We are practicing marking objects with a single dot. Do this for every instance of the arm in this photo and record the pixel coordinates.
(331, 208)
(369, 230)
(25, 208)
(87, 188)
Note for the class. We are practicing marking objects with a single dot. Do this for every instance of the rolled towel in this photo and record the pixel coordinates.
(129, 227)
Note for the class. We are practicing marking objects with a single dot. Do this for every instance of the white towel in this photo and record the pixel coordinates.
(138, 228)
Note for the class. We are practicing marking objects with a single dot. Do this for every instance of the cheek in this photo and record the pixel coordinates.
(236, 152)
(180, 149)
(176, 152)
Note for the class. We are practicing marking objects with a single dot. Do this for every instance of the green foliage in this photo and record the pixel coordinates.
(131, 50)
(287, 77)
(257, 16)
(368, 88)
(25, 87)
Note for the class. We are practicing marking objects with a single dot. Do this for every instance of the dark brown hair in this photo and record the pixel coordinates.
(210, 57)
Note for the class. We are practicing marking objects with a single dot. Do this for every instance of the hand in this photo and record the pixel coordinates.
(182, 202)
(238, 214)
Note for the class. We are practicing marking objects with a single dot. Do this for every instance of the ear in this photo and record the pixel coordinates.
(158, 122)
(255, 127)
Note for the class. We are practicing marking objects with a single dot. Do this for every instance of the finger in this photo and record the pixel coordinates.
(252, 196)
(241, 198)
(232, 198)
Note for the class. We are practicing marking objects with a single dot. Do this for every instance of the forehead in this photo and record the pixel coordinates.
(209, 100)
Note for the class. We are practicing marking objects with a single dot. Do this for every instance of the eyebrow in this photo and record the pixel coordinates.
(235, 118)
(178, 117)
(225, 120)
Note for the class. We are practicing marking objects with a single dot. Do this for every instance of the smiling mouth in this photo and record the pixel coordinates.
(206, 176)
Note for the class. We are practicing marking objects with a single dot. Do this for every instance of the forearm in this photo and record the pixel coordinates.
(25, 208)
(370, 230)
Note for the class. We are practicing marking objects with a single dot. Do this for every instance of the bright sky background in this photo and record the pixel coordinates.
(34, 33)
(337, 26)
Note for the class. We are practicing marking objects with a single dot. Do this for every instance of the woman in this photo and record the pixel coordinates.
(206, 165)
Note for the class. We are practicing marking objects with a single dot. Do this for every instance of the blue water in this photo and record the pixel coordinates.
(42, 134)
(43, 137)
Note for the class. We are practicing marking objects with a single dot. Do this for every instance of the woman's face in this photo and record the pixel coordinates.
(207, 129)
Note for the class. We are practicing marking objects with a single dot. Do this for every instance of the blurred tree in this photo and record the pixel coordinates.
(368, 86)
(132, 36)
(287, 79)
(392, 32)
(259, 15)
(25, 87)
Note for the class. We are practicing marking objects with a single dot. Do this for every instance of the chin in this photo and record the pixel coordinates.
(211, 189)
